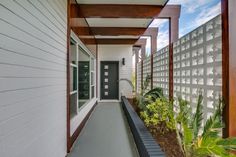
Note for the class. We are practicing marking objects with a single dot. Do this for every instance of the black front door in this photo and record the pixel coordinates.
(109, 80)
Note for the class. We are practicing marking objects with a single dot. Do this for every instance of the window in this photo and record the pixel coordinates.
(73, 78)
(82, 77)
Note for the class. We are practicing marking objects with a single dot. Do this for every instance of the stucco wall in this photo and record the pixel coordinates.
(116, 53)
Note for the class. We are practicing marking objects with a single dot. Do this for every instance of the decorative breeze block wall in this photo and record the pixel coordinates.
(161, 70)
(198, 65)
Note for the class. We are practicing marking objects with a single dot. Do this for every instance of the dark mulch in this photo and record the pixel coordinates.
(167, 141)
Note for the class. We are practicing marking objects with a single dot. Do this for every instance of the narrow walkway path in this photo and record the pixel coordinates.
(106, 134)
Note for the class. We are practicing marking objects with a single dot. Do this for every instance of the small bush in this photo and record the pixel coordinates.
(159, 115)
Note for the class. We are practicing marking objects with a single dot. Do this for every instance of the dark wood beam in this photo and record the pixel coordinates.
(115, 11)
(113, 41)
(84, 31)
(117, 31)
(89, 41)
(109, 31)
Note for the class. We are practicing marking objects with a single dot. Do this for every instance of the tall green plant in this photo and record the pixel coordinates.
(209, 142)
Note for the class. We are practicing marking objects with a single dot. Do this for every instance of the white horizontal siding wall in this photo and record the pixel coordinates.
(116, 53)
(33, 78)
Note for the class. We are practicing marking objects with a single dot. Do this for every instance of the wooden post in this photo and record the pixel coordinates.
(152, 33)
(136, 53)
(142, 43)
(229, 66)
(143, 50)
(153, 51)
(225, 65)
(171, 82)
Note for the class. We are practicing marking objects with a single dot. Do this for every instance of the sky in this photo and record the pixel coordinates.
(194, 13)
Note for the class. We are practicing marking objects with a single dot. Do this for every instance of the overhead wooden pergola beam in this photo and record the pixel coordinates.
(117, 41)
(109, 31)
(117, 31)
(172, 12)
(82, 31)
(142, 44)
(152, 32)
(115, 11)
(111, 41)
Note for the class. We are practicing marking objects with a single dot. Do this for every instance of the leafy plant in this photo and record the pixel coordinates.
(209, 142)
(159, 115)
(149, 97)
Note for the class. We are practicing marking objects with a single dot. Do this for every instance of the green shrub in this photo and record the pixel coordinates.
(159, 115)
(149, 97)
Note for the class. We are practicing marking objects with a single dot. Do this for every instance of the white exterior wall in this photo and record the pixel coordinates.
(116, 53)
(33, 78)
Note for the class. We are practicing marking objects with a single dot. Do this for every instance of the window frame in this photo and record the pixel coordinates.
(79, 44)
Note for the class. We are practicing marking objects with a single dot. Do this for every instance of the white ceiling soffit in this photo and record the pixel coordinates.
(118, 22)
(136, 2)
(117, 37)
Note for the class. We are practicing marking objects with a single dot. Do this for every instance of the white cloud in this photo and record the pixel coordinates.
(205, 15)
(162, 39)
(208, 14)
(190, 5)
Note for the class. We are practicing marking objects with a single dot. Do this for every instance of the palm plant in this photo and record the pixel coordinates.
(209, 142)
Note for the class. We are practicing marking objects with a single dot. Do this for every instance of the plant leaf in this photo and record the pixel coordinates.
(214, 124)
(197, 120)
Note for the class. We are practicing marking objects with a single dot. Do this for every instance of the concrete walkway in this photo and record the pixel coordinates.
(106, 134)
